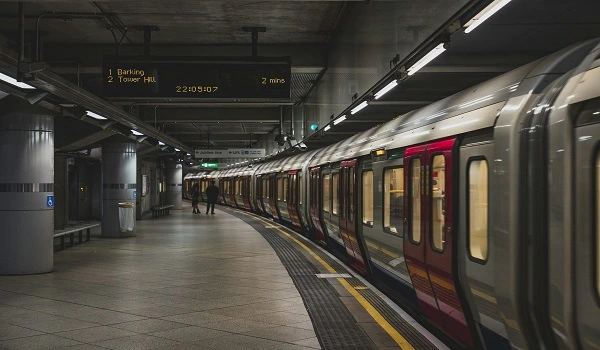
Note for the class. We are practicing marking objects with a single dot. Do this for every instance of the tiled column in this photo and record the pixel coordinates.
(174, 172)
(26, 188)
(118, 185)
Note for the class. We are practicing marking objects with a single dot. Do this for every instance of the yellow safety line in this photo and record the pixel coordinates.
(383, 323)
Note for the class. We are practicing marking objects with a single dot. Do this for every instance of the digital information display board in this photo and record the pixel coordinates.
(189, 78)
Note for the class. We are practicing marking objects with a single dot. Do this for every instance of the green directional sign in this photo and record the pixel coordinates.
(210, 165)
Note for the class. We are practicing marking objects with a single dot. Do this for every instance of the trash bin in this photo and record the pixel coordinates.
(126, 216)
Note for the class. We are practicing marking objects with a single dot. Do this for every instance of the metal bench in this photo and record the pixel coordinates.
(159, 210)
(70, 231)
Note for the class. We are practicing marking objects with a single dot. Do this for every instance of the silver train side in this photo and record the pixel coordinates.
(496, 242)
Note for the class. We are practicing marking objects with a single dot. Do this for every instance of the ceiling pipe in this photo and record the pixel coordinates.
(58, 86)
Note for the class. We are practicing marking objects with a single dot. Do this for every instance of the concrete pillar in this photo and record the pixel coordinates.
(26, 188)
(174, 172)
(118, 185)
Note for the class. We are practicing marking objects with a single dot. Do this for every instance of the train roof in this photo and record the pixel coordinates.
(473, 109)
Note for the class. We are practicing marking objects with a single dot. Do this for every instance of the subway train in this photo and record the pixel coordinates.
(481, 212)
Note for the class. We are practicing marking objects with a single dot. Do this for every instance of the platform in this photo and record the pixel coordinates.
(224, 281)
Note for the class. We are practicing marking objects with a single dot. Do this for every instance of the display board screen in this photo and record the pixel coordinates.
(190, 78)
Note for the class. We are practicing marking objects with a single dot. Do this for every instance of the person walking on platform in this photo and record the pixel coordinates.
(195, 198)
(212, 194)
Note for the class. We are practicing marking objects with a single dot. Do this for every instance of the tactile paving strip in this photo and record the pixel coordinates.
(416, 339)
(334, 325)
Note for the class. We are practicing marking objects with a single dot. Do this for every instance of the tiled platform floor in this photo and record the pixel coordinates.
(185, 282)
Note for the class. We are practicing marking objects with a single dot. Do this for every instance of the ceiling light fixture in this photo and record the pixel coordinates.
(438, 50)
(486, 13)
(94, 115)
(177, 150)
(386, 89)
(362, 105)
(14, 82)
(160, 143)
(339, 120)
(136, 133)
(327, 128)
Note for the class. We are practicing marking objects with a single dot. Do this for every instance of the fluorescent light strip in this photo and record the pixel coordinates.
(160, 143)
(438, 50)
(386, 89)
(486, 13)
(327, 128)
(14, 82)
(94, 115)
(136, 133)
(339, 120)
(359, 107)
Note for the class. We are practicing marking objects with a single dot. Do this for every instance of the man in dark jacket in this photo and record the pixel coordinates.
(212, 194)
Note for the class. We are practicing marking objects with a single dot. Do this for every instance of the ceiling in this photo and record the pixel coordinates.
(337, 49)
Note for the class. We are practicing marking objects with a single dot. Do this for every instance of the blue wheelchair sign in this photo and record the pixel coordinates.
(134, 194)
(50, 201)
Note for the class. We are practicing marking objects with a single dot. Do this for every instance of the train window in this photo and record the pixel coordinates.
(279, 188)
(314, 186)
(265, 188)
(477, 199)
(367, 197)
(326, 193)
(311, 190)
(415, 199)
(292, 184)
(598, 222)
(286, 186)
(351, 195)
(438, 202)
(393, 200)
(301, 185)
(336, 179)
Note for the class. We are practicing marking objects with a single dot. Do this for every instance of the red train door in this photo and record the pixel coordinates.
(315, 205)
(292, 200)
(429, 249)
(348, 213)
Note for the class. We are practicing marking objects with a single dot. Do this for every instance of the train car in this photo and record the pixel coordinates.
(479, 212)
(241, 187)
(188, 181)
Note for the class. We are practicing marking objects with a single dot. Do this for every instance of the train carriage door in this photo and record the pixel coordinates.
(246, 192)
(301, 207)
(273, 196)
(586, 203)
(315, 205)
(292, 201)
(348, 200)
(431, 253)
(414, 245)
